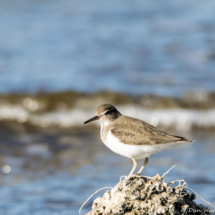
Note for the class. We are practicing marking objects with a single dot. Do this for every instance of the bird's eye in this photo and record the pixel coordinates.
(107, 112)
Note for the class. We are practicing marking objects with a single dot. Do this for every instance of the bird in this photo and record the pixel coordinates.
(131, 137)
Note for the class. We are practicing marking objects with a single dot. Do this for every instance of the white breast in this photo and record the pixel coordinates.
(134, 151)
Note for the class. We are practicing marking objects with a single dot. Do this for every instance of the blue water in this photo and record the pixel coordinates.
(64, 190)
(134, 47)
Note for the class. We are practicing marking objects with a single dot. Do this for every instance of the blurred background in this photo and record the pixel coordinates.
(59, 60)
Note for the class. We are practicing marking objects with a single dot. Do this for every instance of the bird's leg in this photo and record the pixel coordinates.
(142, 167)
(134, 167)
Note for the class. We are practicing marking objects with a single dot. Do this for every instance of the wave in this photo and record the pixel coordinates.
(46, 102)
(176, 118)
(69, 109)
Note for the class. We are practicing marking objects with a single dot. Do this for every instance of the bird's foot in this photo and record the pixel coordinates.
(127, 178)
(143, 176)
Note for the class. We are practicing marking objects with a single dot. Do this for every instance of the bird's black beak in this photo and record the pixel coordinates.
(92, 119)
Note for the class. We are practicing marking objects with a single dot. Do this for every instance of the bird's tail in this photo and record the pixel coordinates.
(183, 140)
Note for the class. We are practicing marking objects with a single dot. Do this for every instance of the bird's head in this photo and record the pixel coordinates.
(105, 113)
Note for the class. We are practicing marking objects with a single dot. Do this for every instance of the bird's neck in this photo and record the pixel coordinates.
(105, 123)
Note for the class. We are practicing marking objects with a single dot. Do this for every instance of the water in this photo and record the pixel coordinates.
(66, 167)
(141, 47)
(56, 57)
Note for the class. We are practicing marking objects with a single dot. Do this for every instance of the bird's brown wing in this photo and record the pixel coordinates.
(133, 131)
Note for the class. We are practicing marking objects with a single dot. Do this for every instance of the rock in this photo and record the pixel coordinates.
(141, 195)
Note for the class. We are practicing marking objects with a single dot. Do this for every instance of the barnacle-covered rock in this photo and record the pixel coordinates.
(143, 195)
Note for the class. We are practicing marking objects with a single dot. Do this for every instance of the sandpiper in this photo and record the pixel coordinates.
(130, 137)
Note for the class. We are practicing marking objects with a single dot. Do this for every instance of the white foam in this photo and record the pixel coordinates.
(9, 112)
(181, 119)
